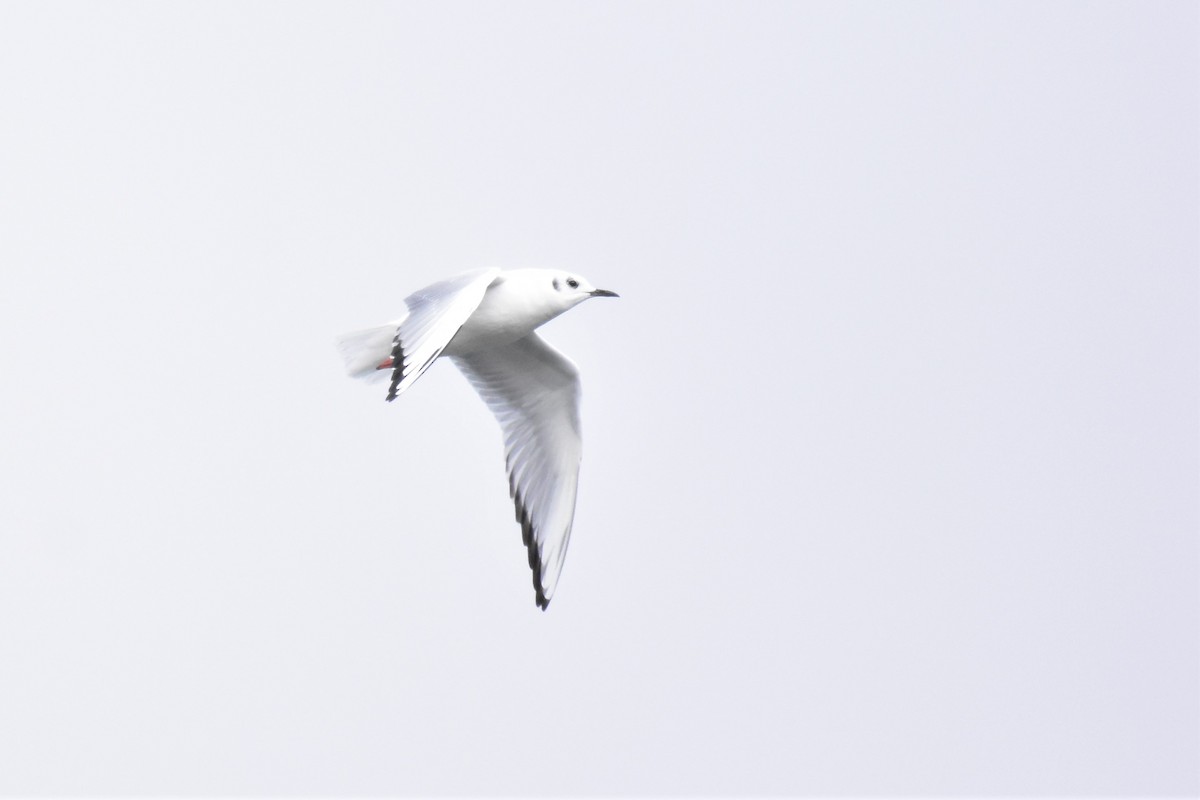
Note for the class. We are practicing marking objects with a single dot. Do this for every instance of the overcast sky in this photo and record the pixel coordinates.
(890, 445)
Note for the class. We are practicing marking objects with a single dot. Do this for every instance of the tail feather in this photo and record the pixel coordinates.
(364, 351)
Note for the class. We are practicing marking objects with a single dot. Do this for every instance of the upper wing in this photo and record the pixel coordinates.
(435, 314)
(534, 392)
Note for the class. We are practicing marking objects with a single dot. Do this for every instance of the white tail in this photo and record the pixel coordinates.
(364, 351)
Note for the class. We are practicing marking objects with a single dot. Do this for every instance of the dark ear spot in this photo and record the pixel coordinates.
(557, 288)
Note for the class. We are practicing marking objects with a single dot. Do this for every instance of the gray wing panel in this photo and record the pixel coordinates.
(533, 391)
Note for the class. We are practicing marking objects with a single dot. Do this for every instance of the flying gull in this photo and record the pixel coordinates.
(485, 322)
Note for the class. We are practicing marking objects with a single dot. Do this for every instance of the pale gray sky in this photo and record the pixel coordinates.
(891, 446)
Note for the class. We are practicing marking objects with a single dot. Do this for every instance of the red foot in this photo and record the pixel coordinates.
(387, 364)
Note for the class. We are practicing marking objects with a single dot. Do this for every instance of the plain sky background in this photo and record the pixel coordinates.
(890, 446)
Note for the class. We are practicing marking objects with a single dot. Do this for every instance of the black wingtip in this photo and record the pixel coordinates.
(535, 556)
(398, 371)
(539, 596)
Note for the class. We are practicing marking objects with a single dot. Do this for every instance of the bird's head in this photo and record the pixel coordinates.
(571, 289)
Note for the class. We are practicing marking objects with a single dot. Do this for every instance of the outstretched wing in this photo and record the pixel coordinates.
(534, 392)
(435, 314)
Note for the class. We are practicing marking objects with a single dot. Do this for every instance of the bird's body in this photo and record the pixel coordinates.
(508, 311)
(486, 321)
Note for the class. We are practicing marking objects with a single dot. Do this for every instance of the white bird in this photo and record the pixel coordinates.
(485, 321)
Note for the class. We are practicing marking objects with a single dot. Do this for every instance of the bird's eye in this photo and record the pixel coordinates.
(574, 284)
